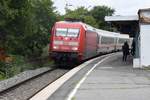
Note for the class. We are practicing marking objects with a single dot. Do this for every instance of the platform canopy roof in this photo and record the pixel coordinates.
(124, 24)
(121, 18)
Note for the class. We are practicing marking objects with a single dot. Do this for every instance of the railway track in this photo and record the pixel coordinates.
(80, 71)
(26, 89)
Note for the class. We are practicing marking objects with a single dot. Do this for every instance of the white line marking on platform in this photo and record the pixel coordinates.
(49, 90)
(71, 95)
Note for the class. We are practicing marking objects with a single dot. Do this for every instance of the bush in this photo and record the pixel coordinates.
(5, 69)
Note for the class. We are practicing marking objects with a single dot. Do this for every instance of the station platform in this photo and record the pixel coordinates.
(115, 80)
(106, 78)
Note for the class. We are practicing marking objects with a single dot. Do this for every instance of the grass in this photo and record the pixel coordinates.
(2, 77)
(20, 64)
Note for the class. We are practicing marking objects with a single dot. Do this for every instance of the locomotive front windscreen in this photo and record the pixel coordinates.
(61, 31)
(70, 32)
(73, 32)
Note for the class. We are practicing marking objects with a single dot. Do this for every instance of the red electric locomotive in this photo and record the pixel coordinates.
(72, 42)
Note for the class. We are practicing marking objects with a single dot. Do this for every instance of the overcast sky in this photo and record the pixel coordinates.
(122, 7)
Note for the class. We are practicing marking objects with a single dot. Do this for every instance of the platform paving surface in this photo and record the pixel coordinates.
(115, 80)
(110, 80)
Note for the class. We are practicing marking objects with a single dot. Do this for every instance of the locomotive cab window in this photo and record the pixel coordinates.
(61, 31)
(73, 32)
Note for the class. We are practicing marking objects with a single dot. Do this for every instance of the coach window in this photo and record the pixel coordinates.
(107, 40)
(73, 32)
(121, 40)
(104, 40)
(61, 31)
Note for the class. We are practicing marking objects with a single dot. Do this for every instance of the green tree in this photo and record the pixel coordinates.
(91, 21)
(25, 25)
(14, 17)
(82, 14)
(7, 15)
(99, 13)
(41, 20)
(94, 17)
(24, 28)
(78, 13)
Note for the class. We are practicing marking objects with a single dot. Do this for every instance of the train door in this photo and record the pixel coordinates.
(90, 44)
(115, 43)
(97, 45)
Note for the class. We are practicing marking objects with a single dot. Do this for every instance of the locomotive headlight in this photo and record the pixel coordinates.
(73, 43)
(58, 42)
(75, 48)
(55, 47)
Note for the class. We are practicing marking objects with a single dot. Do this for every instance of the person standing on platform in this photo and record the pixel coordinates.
(133, 47)
(125, 50)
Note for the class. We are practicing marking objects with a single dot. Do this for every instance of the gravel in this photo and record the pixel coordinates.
(29, 88)
(20, 78)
